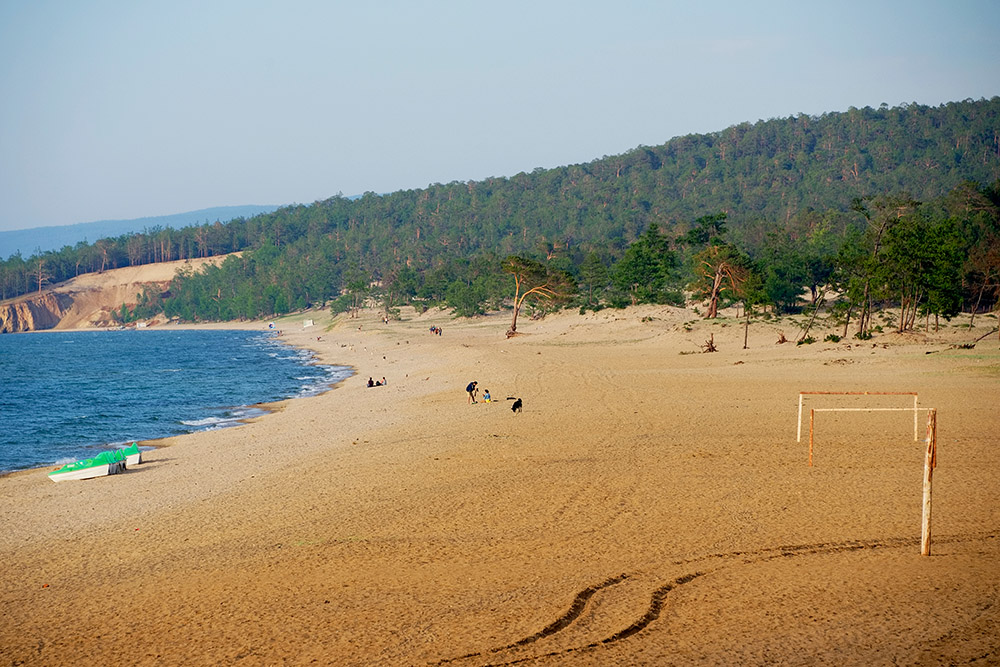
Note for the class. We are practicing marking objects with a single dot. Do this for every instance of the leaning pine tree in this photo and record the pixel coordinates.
(719, 268)
(534, 279)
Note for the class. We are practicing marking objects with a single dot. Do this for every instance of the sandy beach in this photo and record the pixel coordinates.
(649, 506)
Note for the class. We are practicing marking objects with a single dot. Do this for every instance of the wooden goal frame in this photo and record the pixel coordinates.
(803, 394)
(930, 460)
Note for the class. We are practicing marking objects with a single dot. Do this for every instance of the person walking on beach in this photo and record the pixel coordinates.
(471, 388)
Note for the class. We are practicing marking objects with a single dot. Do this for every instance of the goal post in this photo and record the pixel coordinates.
(930, 462)
(804, 394)
(930, 459)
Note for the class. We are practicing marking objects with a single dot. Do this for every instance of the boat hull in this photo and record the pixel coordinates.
(105, 463)
(133, 456)
(87, 472)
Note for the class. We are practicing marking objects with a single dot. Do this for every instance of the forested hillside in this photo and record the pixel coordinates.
(789, 202)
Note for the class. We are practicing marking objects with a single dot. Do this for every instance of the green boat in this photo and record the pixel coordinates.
(133, 456)
(110, 462)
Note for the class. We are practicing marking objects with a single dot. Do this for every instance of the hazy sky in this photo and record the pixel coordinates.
(134, 108)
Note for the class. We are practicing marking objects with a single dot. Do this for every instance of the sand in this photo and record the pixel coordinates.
(650, 506)
(95, 295)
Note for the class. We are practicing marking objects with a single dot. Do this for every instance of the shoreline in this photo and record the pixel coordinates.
(400, 525)
(266, 407)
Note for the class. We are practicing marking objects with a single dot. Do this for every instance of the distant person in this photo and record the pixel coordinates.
(486, 396)
(371, 382)
(471, 388)
(384, 383)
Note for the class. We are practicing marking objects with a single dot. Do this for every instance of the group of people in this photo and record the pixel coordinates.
(473, 389)
(377, 383)
(436, 330)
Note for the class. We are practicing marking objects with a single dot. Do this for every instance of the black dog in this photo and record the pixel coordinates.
(516, 406)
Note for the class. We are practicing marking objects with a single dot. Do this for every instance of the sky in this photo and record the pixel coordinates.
(120, 109)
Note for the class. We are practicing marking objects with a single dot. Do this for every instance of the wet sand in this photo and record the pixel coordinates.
(649, 506)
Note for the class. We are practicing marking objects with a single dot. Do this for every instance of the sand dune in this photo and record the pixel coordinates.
(650, 506)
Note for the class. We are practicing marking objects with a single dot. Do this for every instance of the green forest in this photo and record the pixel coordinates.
(895, 206)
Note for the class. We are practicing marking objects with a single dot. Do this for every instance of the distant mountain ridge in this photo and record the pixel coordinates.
(30, 241)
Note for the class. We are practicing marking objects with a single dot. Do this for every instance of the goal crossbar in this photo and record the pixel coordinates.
(867, 409)
(803, 394)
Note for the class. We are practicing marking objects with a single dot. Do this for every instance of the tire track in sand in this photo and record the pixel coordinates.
(658, 597)
(564, 621)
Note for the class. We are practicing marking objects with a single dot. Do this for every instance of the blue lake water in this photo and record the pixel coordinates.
(66, 396)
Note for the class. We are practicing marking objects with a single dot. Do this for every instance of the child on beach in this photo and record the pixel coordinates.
(486, 396)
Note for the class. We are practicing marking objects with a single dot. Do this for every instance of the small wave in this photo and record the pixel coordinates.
(208, 421)
(247, 413)
(222, 423)
(319, 384)
(230, 418)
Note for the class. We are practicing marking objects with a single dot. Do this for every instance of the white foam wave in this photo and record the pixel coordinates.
(231, 418)
(208, 421)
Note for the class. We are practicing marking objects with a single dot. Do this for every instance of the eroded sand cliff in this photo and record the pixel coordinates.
(88, 300)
